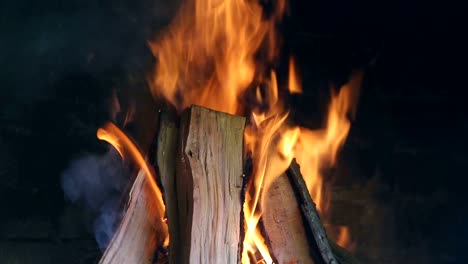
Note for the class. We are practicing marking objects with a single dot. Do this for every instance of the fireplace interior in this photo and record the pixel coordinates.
(68, 68)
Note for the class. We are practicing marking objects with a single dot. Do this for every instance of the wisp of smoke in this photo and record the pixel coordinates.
(96, 182)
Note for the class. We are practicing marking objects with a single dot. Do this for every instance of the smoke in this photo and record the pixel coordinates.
(96, 182)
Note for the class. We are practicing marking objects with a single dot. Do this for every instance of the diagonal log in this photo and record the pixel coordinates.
(142, 228)
(139, 233)
(283, 224)
(330, 252)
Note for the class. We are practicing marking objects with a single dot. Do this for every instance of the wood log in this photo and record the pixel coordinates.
(209, 187)
(138, 235)
(166, 164)
(283, 224)
(330, 252)
(142, 228)
(201, 167)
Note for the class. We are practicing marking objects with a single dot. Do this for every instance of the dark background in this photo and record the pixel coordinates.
(400, 177)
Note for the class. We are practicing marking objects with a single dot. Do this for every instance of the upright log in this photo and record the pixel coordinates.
(209, 187)
(168, 135)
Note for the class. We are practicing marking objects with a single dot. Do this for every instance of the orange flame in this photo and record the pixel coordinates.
(123, 144)
(207, 57)
(344, 239)
(294, 85)
(317, 150)
(267, 166)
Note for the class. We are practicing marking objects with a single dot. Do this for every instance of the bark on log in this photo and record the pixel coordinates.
(209, 187)
(329, 251)
(139, 233)
(283, 224)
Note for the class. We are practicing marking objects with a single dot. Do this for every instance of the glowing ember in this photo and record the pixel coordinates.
(207, 57)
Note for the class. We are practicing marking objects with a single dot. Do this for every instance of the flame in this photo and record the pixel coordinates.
(317, 150)
(209, 56)
(123, 144)
(271, 143)
(267, 165)
(206, 56)
(274, 144)
(344, 239)
(294, 85)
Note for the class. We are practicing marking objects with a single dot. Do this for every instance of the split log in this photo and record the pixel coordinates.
(310, 213)
(138, 235)
(166, 165)
(330, 252)
(283, 224)
(209, 187)
(142, 228)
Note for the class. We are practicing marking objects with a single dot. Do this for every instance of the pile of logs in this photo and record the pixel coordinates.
(200, 162)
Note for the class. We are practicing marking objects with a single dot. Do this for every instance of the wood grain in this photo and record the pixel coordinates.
(141, 229)
(209, 186)
(283, 223)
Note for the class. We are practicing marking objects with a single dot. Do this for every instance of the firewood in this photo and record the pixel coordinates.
(330, 252)
(283, 223)
(166, 165)
(141, 229)
(209, 187)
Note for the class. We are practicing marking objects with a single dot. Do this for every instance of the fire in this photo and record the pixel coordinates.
(209, 56)
(264, 171)
(206, 56)
(344, 239)
(124, 145)
(294, 85)
(317, 150)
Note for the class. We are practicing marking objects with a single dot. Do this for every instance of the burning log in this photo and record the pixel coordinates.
(289, 215)
(310, 213)
(166, 164)
(283, 224)
(138, 235)
(200, 163)
(209, 187)
(142, 228)
(329, 251)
